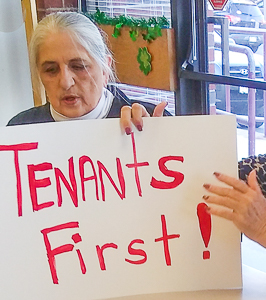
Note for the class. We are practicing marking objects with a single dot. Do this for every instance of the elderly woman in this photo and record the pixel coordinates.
(69, 57)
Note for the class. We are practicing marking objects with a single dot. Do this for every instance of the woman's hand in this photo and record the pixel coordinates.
(135, 114)
(243, 204)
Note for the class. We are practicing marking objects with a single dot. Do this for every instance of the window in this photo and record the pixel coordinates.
(145, 9)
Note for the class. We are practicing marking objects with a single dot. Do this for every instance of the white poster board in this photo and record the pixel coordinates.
(115, 214)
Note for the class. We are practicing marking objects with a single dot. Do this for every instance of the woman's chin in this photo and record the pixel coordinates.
(76, 110)
(73, 111)
(73, 114)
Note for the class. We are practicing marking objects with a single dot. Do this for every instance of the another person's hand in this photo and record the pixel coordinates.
(243, 204)
(135, 114)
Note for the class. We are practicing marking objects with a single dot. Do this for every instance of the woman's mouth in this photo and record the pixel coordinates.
(70, 100)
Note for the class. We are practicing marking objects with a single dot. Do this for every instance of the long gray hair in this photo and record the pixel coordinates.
(83, 30)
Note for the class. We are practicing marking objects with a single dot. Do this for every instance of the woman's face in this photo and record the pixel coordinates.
(72, 79)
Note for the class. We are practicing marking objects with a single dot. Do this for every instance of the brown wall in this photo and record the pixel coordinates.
(45, 7)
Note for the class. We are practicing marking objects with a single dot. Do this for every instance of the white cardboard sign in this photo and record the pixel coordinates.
(87, 212)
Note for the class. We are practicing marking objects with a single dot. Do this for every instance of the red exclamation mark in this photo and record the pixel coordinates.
(205, 226)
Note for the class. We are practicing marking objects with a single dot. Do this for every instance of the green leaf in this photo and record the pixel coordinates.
(117, 30)
(157, 30)
(133, 34)
(144, 59)
(119, 25)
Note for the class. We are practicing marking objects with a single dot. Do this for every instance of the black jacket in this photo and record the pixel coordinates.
(41, 114)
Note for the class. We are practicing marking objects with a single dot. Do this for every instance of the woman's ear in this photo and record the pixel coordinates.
(106, 73)
(109, 60)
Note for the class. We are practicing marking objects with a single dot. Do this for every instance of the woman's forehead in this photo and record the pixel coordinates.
(61, 46)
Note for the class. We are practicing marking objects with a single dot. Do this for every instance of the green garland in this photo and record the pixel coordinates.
(150, 29)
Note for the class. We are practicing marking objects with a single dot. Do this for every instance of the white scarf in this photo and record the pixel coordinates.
(99, 112)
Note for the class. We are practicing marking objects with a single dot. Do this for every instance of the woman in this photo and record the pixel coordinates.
(69, 58)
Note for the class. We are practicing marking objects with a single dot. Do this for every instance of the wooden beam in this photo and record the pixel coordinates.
(30, 16)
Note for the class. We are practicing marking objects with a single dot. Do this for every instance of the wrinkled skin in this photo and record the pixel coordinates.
(240, 202)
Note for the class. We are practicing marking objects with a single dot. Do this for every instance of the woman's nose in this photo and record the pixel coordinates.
(66, 79)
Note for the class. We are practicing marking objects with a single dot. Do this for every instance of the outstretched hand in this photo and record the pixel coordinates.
(135, 114)
(243, 204)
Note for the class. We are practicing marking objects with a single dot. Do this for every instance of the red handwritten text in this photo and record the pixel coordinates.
(98, 170)
(51, 253)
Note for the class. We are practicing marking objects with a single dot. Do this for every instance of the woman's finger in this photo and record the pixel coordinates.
(222, 201)
(222, 212)
(137, 113)
(253, 183)
(235, 183)
(159, 109)
(125, 119)
(224, 191)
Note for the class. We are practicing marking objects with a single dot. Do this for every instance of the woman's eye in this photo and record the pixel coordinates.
(51, 70)
(78, 67)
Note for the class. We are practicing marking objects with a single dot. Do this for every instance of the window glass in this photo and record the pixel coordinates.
(245, 23)
(248, 10)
